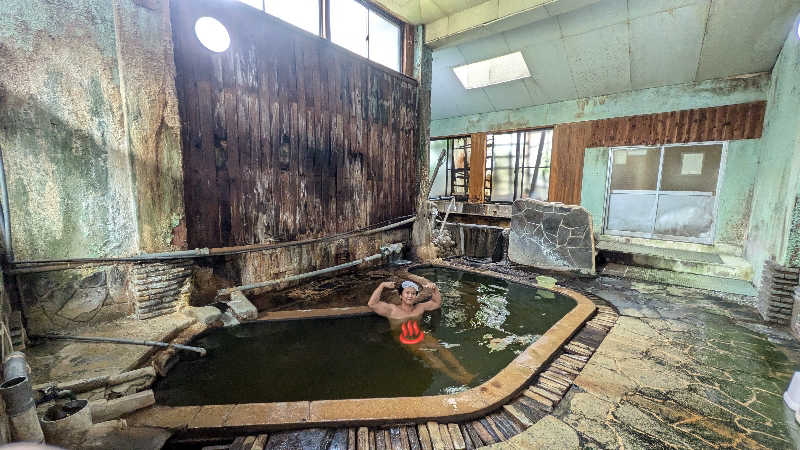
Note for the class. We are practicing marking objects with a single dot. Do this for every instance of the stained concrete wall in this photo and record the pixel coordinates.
(62, 132)
(90, 128)
(678, 97)
(774, 230)
(91, 141)
(152, 124)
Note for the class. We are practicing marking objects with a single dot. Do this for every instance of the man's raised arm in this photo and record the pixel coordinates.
(375, 303)
(436, 299)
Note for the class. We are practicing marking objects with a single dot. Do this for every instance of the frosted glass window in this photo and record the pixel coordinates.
(384, 41)
(300, 13)
(667, 192)
(350, 25)
(683, 172)
(635, 169)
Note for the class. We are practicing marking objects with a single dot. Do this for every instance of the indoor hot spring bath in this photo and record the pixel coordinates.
(483, 325)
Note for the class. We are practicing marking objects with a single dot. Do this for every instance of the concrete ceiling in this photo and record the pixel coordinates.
(582, 48)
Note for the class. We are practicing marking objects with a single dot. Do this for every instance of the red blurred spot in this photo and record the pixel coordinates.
(411, 333)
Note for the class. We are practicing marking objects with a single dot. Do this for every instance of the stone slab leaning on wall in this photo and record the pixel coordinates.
(551, 236)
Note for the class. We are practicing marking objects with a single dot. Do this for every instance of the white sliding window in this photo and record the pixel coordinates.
(668, 192)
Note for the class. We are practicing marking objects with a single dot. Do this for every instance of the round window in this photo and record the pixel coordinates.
(212, 34)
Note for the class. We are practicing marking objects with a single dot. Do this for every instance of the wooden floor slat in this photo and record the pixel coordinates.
(455, 436)
(327, 440)
(413, 440)
(387, 439)
(238, 443)
(424, 437)
(394, 437)
(260, 442)
(380, 440)
(363, 439)
(467, 438)
(436, 436)
(486, 436)
(473, 435)
(500, 424)
(511, 421)
(489, 426)
(521, 419)
(446, 439)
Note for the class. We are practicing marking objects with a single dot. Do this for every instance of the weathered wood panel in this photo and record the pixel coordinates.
(477, 167)
(723, 123)
(286, 136)
(566, 167)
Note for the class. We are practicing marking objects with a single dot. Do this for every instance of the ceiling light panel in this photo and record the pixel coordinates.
(492, 71)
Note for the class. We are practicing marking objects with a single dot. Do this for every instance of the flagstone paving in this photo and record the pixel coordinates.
(682, 368)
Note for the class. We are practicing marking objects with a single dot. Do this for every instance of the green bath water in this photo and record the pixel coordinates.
(483, 324)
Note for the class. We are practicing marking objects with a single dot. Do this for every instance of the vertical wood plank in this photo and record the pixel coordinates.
(477, 167)
(436, 436)
(380, 440)
(473, 434)
(260, 442)
(363, 438)
(413, 440)
(424, 437)
(444, 432)
(455, 435)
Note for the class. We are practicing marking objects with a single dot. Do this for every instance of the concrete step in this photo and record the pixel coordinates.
(719, 284)
(677, 260)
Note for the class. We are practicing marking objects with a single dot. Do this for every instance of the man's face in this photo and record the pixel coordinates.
(409, 295)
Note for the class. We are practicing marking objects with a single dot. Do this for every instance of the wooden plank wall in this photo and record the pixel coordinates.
(724, 123)
(286, 136)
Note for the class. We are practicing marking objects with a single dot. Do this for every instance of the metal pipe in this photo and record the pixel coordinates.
(181, 254)
(200, 252)
(260, 247)
(447, 213)
(199, 350)
(21, 410)
(384, 251)
(15, 366)
(6, 213)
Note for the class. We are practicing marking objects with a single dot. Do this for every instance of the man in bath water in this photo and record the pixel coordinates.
(407, 316)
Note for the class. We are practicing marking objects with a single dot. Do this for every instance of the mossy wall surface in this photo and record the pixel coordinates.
(774, 231)
(62, 131)
(89, 127)
(90, 135)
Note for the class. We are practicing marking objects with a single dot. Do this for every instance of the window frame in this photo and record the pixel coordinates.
(324, 31)
(448, 166)
(519, 158)
(658, 191)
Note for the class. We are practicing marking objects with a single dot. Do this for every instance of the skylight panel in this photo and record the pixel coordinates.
(492, 71)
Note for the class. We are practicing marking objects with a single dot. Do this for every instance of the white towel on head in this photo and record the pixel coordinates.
(409, 284)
